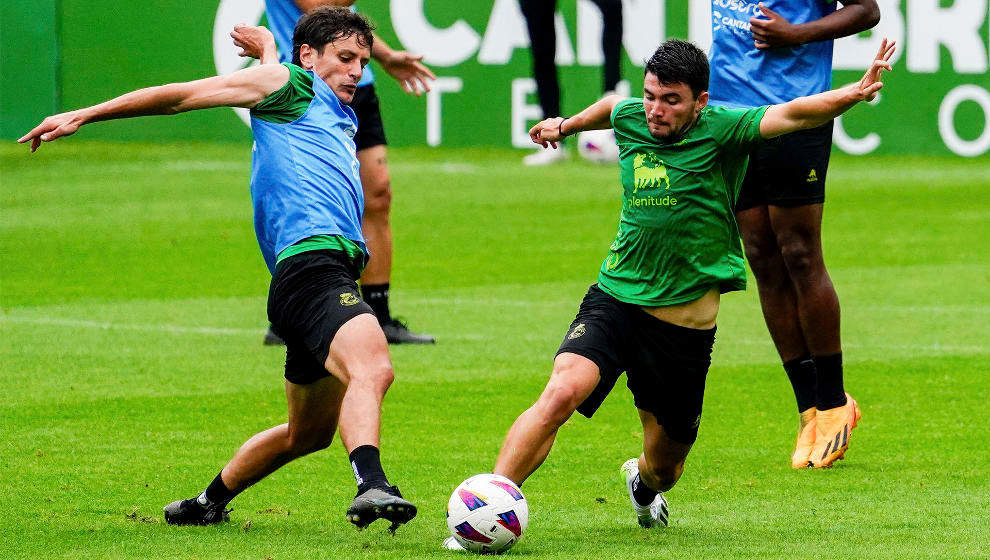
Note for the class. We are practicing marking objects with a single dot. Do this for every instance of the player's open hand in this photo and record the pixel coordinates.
(254, 41)
(547, 132)
(52, 128)
(775, 31)
(409, 71)
(868, 87)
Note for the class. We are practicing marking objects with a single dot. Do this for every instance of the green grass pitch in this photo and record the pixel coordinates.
(133, 307)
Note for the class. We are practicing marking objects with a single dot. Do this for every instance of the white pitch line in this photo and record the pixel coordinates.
(936, 348)
(960, 309)
(494, 301)
(131, 327)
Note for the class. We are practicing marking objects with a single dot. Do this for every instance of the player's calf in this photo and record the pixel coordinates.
(650, 505)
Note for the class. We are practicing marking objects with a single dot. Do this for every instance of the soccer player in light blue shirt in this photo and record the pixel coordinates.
(308, 201)
(371, 152)
(767, 53)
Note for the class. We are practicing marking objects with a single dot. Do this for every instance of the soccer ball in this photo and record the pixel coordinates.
(487, 514)
(598, 146)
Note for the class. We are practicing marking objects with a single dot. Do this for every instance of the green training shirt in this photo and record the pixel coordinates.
(285, 105)
(677, 235)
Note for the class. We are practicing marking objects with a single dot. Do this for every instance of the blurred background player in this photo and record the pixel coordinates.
(307, 199)
(414, 78)
(652, 313)
(539, 16)
(782, 54)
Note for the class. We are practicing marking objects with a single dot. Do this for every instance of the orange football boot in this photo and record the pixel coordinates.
(805, 440)
(833, 428)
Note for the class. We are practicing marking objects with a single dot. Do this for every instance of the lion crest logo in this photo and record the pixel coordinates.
(348, 299)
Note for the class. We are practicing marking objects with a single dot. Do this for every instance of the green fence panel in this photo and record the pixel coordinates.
(937, 100)
(28, 64)
(110, 48)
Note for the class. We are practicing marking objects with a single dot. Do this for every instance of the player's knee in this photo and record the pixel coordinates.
(374, 372)
(802, 257)
(558, 402)
(303, 443)
(759, 253)
(379, 376)
(378, 198)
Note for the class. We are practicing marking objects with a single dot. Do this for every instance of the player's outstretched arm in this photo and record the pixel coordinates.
(244, 88)
(255, 41)
(772, 30)
(816, 110)
(596, 117)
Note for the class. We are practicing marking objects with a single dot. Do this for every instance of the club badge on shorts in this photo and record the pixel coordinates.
(577, 332)
(348, 299)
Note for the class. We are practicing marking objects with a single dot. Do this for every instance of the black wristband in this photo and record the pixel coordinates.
(560, 128)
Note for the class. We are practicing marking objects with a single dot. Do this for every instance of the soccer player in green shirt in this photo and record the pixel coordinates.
(652, 312)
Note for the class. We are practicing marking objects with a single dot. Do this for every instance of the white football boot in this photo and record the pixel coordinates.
(450, 543)
(648, 516)
(545, 156)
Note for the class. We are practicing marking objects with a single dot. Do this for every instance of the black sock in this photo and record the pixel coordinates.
(377, 297)
(217, 493)
(367, 464)
(801, 372)
(831, 392)
(643, 494)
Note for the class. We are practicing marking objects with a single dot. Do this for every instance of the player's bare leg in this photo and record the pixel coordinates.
(532, 435)
(313, 412)
(777, 296)
(359, 356)
(798, 232)
(662, 461)
(779, 302)
(377, 208)
(654, 472)
(377, 229)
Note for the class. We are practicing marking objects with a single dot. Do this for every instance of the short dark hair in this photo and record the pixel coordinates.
(327, 24)
(680, 62)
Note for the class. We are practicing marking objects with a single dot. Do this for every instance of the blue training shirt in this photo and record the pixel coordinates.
(282, 18)
(744, 76)
(305, 177)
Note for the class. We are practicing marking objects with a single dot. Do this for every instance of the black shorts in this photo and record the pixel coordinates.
(788, 170)
(312, 295)
(371, 131)
(666, 365)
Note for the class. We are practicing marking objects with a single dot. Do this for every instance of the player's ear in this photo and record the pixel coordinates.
(702, 101)
(306, 56)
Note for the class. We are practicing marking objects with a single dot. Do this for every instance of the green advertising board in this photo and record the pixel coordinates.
(937, 100)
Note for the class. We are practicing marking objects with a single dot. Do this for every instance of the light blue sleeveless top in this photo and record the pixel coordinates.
(305, 178)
